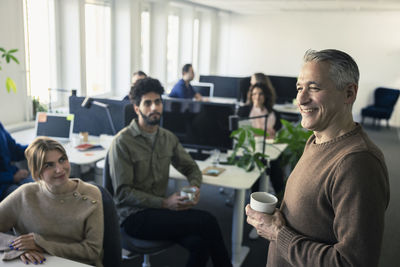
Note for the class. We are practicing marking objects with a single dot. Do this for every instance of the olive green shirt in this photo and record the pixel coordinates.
(140, 171)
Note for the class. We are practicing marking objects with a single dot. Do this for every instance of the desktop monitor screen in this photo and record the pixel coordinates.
(285, 88)
(205, 89)
(57, 126)
(223, 86)
(201, 125)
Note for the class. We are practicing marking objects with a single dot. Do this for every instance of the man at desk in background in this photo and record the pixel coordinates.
(10, 176)
(139, 161)
(183, 89)
(136, 76)
(332, 213)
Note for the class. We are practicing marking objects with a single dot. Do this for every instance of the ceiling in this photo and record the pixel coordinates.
(259, 7)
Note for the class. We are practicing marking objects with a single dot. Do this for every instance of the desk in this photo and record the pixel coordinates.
(239, 180)
(74, 156)
(51, 261)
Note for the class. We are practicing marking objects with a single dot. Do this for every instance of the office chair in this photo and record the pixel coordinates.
(384, 102)
(129, 114)
(132, 244)
(112, 237)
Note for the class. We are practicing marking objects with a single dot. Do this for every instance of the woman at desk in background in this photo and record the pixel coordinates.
(261, 103)
(257, 77)
(55, 215)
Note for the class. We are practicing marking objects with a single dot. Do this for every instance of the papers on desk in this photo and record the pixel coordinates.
(213, 171)
(86, 147)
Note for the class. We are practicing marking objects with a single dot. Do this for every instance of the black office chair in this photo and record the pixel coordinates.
(384, 101)
(132, 244)
(112, 238)
(129, 114)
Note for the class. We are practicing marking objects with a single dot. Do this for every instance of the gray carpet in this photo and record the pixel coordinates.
(214, 202)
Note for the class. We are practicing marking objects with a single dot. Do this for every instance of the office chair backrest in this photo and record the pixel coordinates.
(112, 248)
(129, 114)
(386, 97)
(107, 183)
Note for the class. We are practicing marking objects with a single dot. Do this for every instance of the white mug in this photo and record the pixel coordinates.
(263, 202)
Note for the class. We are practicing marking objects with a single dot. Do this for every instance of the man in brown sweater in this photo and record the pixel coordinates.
(332, 213)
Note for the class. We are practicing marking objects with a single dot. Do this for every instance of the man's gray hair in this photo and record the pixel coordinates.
(343, 69)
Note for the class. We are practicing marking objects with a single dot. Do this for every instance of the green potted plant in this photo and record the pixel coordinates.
(37, 106)
(295, 137)
(8, 56)
(245, 145)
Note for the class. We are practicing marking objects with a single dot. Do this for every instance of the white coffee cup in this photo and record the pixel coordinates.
(189, 192)
(263, 202)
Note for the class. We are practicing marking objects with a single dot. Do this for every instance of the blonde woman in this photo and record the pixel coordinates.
(55, 215)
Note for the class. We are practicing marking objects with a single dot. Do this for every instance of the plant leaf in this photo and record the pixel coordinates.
(12, 51)
(2, 49)
(14, 58)
(242, 138)
(10, 85)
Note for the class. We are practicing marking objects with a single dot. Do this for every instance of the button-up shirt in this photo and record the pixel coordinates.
(140, 171)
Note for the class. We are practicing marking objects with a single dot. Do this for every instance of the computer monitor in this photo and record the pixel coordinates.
(199, 125)
(285, 88)
(56, 126)
(223, 86)
(205, 89)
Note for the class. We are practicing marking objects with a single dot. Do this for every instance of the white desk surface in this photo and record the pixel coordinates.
(75, 156)
(232, 177)
(51, 261)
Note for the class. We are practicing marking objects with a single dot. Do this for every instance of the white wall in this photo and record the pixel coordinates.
(14, 107)
(275, 43)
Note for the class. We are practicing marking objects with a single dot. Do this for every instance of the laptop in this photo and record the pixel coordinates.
(56, 126)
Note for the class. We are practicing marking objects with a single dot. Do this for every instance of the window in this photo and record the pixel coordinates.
(98, 48)
(145, 41)
(41, 63)
(172, 49)
(196, 28)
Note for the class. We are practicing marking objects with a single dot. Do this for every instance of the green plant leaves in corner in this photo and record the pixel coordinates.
(10, 85)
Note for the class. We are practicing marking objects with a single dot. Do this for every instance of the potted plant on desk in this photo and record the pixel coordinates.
(245, 144)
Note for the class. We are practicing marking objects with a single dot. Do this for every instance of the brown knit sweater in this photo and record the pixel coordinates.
(69, 225)
(334, 205)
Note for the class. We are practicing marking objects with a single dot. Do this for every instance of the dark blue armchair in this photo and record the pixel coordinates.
(384, 101)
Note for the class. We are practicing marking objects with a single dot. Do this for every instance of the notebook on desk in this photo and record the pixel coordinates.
(56, 126)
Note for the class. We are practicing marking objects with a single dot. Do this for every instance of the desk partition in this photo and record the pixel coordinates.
(94, 119)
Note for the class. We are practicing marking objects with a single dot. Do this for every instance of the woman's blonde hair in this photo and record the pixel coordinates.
(36, 154)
